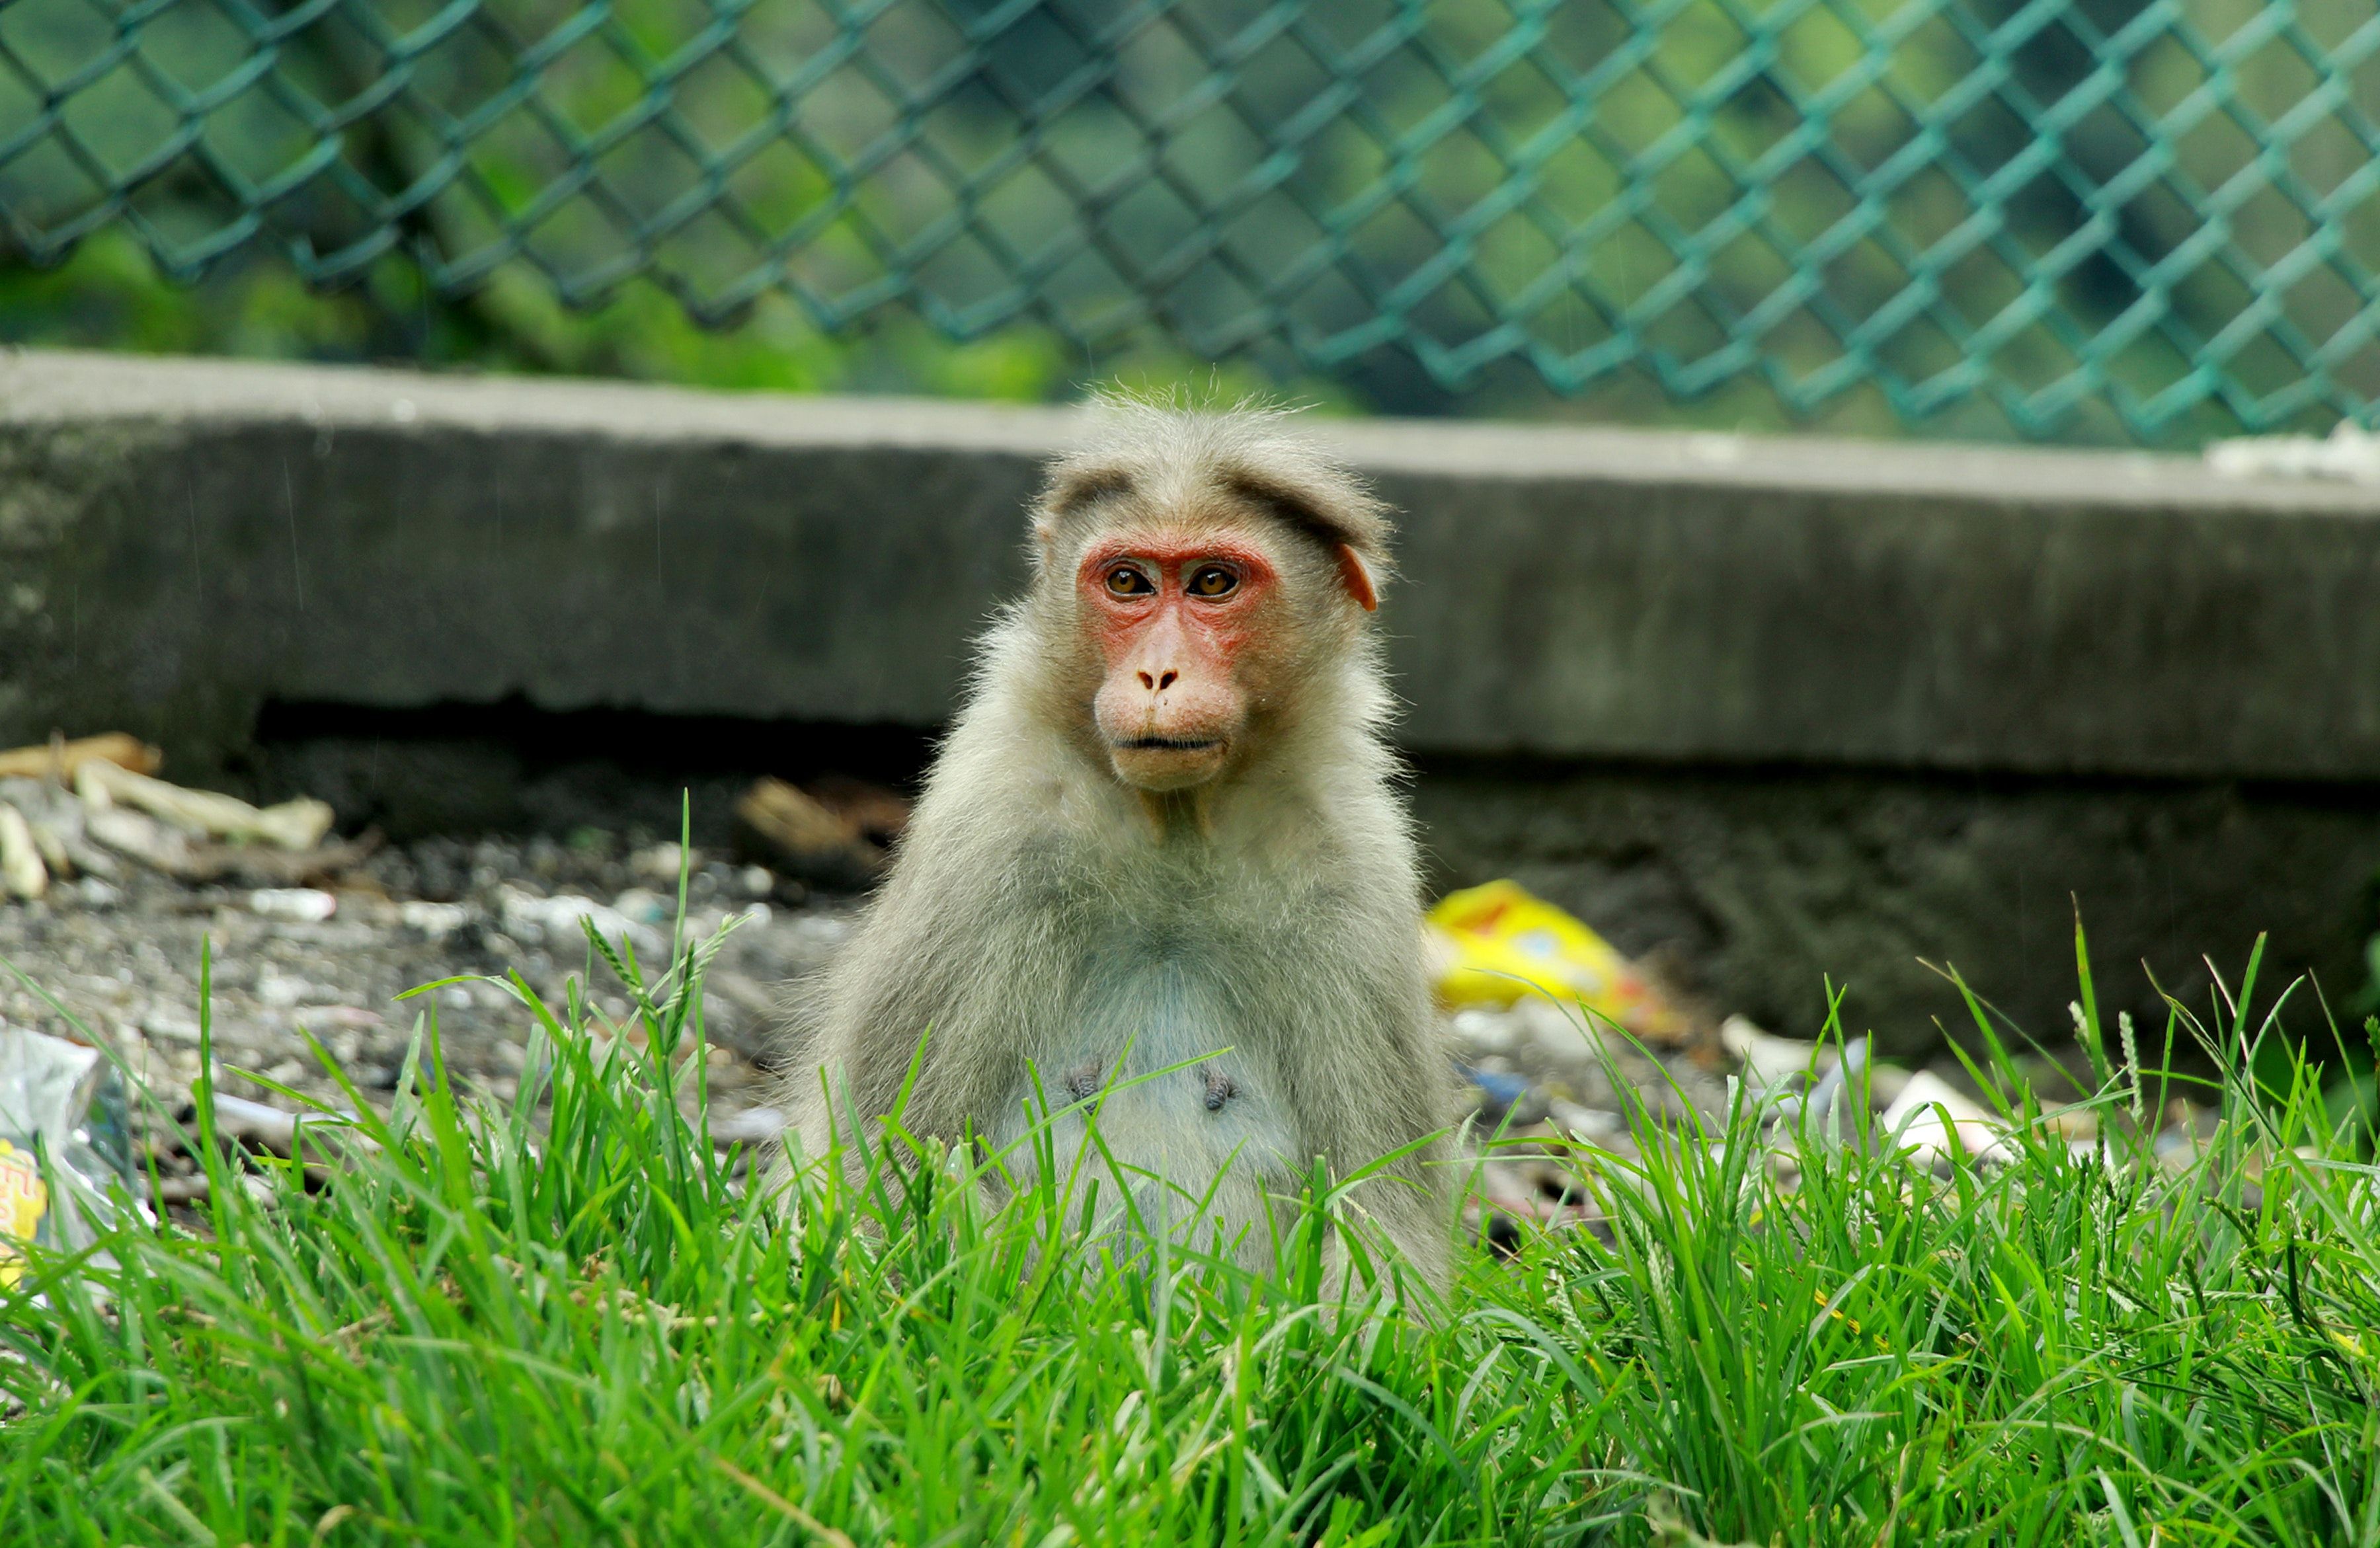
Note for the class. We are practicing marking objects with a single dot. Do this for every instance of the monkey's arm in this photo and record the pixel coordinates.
(948, 960)
(1380, 1086)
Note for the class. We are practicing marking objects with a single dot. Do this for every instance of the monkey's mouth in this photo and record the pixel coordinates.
(1164, 762)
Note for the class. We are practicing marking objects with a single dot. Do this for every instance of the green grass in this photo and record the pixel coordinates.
(576, 1330)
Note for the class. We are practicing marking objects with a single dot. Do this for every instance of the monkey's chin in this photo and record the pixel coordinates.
(1160, 764)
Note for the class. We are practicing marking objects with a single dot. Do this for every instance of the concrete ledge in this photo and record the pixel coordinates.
(182, 542)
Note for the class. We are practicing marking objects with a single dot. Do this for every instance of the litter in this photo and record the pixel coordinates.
(167, 849)
(137, 836)
(1506, 1101)
(1499, 942)
(1932, 1118)
(297, 905)
(68, 808)
(835, 836)
(61, 759)
(292, 824)
(1771, 1063)
(64, 1145)
(54, 821)
(1501, 1088)
(23, 873)
(270, 1128)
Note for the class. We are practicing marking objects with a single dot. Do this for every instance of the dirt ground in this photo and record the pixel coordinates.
(123, 959)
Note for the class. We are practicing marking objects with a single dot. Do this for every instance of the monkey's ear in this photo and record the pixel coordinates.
(1357, 576)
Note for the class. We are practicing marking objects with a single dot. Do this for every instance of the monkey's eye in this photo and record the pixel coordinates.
(1213, 580)
(1125, 581)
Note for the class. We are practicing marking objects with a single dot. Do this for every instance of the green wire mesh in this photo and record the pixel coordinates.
(2164, 213)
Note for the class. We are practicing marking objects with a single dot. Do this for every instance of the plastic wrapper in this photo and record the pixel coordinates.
(1499, 942)
(61, 1104)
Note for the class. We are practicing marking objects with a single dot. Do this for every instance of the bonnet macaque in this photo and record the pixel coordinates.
(1163, 833)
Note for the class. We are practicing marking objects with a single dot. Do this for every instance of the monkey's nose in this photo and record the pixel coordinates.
(1160, 682)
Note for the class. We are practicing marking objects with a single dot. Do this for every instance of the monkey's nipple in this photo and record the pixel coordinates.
(1220, 1090)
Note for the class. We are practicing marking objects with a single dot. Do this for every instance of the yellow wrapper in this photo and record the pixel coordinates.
(24, 1199)
(1501, 942)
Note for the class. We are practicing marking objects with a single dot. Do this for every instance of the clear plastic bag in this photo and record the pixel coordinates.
(64, 1145)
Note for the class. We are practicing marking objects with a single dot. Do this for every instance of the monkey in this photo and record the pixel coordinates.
(1161, 874)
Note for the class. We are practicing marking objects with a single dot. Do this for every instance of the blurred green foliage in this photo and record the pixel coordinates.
(2101, 220)
(110, 295)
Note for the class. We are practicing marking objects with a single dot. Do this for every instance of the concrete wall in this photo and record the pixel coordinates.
(1784, 707)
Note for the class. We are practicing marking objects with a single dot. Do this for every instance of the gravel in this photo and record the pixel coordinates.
(123, 959)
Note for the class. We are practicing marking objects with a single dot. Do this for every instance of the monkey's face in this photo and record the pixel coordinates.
(1180, 624)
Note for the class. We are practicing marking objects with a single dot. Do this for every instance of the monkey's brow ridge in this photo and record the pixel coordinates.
(1088, 489)
(1292, 507)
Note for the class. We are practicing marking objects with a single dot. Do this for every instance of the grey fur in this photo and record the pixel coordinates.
(1060, 933)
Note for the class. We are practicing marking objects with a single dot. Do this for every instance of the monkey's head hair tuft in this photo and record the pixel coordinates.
(1170, 449)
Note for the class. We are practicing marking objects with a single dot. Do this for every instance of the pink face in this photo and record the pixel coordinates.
(1176, 620)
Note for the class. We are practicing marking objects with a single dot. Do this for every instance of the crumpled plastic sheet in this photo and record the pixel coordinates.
(64, 1146)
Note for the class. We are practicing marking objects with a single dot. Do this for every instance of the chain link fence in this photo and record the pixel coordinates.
(2151, 219)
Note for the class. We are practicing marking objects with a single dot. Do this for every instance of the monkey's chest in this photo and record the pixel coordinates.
(1179, 1083)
